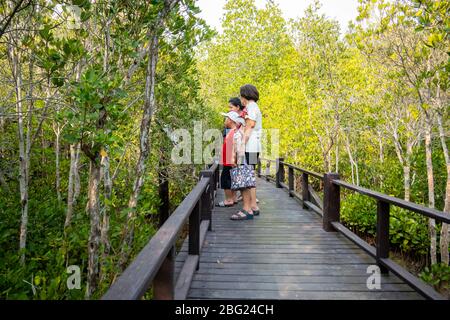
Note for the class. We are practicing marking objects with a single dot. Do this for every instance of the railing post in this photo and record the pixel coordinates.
(305, 190)
(163, 191)
(382, 239)
(258, 168)
(212, 190)
(208, 197)
(216, 179)
(291, 181)
(280, 172)
(267, 170)
(331, 201)
(164, 281)
(194, 231)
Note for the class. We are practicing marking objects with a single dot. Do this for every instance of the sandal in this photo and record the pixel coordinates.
(222, 204)
(256, 212)
(241, 215)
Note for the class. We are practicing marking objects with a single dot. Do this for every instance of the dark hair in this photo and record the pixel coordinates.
(250, 92)
(236, 102)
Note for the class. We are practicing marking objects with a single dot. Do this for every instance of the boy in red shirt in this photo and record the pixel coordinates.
(232, 148)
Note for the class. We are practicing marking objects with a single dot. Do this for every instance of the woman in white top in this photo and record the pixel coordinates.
(252, 139)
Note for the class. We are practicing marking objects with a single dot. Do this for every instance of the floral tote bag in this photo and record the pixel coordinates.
(243, 177)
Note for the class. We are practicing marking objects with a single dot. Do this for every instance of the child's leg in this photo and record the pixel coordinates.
(234, 196)
(225, 183)
(229, 196)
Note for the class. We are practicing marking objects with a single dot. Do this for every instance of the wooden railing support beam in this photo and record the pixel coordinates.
(164, 281)
(208, 196)
(331, 201)
(382, 239)
(291, 181)
(280, 172)
(305, 189)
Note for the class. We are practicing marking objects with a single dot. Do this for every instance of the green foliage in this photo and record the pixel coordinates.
(407, 230)
(359, 213)
(46, 268)
(434, 16)
(438, 276)
(82, 90)
(95, 96)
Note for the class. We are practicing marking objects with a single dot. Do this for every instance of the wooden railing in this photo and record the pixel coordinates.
(155, 264)
(330, 212)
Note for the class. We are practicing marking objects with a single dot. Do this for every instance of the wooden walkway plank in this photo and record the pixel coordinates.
(299, 295)
(283, 254)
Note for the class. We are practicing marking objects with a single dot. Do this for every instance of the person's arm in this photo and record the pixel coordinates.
(250, 122)
(240, 148)
(249, 126)
(233, 153)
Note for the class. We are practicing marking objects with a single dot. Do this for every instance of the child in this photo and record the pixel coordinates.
(232, 148)
(234, 104)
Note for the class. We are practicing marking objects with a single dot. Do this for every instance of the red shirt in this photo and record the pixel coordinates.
(227, 149)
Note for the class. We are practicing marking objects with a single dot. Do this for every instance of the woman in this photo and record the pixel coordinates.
(252, 137)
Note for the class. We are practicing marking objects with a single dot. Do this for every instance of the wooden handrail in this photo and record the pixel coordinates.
(331, 218)
(310, 173)
(429, 212)
(138, 277)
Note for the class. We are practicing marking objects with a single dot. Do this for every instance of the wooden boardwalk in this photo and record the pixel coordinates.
(283, 254)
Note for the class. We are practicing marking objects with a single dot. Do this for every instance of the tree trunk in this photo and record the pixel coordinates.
(2, 151)
(329, 160)
(407, 181)
(94, 235)
(326, 167)
(23, 157)
(57, 130)
(76, 175)
(72, 185)
(381, 156)
(3, 181)
(163, 189)
(144, 148)
(105, 173)
(144, 141)
(431, 204)
(445, 229)
(106, 247)
(337, 156)
(353, 163)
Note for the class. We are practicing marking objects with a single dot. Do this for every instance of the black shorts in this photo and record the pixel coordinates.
(252, 158)
(225, 178)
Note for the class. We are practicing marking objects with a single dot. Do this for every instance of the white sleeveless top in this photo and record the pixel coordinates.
(254, 141)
